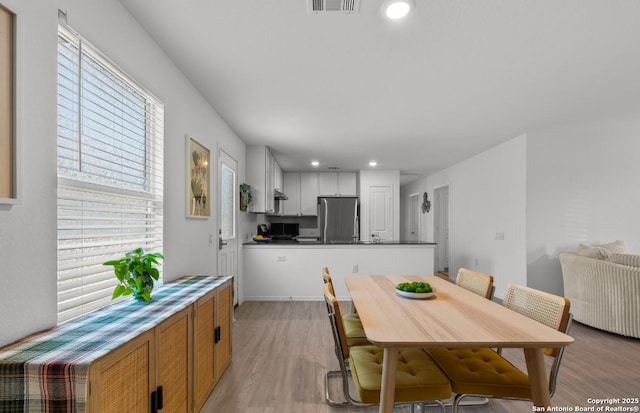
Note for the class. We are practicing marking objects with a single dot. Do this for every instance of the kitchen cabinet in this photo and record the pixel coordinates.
(128, 356)
(131, 378)
(172, 367)
(262, 173)
(302, 190)
(277, 176)
(122, 380)
(173, 364)
(292, 188)
(283, 272)
(212, 341)
(337, 184)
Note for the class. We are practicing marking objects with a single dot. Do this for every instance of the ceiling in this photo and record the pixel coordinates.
(453, 79)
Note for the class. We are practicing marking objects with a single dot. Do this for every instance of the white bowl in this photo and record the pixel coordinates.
(417, 296)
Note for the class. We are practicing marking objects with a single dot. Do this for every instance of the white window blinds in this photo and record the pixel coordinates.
(110, 164)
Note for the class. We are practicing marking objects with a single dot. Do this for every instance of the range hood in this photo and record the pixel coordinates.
(279, 195)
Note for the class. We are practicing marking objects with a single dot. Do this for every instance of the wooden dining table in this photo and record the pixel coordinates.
(453, 317)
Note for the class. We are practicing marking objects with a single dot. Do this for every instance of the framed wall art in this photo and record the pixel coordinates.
(8, 144)
(198, 179)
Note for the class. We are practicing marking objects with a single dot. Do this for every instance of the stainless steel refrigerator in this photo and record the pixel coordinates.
(338, 219)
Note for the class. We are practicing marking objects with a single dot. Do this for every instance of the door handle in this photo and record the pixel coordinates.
(221, 243)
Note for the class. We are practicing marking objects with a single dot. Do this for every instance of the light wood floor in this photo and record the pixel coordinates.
(281, 351)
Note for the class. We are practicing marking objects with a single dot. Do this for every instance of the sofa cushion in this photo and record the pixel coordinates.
(593, 251)
(615, 247)
(602, 251)
(632, 260)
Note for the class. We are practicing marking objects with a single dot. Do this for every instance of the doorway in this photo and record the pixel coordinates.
(414, 217)
(381, 212)
(441, 223)
(228, 219)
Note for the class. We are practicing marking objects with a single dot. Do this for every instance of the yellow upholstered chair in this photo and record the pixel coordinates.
(418, 379)
(352, 324)
(484, 372)
(476, 282)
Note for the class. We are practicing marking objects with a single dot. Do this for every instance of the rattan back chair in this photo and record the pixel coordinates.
(419, 381)
(485, 372)
(476, 282)
(326, 277)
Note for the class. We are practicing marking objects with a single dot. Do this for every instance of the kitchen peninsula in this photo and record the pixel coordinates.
(292, 271)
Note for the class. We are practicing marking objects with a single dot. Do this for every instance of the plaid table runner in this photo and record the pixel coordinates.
(47, 372)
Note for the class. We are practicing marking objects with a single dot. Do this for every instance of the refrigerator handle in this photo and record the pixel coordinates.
(326, 208)
(355, 221)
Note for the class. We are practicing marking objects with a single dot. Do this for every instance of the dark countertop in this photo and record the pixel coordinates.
(288, 243)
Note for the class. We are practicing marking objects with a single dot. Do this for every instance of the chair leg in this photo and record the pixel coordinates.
(327, 396)
(349, 401)
(480, 402)
(424, 405)
(457, 401)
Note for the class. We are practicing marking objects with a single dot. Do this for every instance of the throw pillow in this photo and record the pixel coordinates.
(632, 260)
(615, 247)
(594, 251)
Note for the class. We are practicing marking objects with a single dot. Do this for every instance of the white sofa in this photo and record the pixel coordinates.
(604, 290)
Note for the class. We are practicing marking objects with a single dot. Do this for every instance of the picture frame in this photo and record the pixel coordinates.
(198, 163)
(9, 188)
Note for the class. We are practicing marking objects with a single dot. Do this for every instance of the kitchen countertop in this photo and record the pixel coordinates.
(294, 243)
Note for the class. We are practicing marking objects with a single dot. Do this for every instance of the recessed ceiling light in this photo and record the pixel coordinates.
(397, 9)
(315, 163)
(373, 163)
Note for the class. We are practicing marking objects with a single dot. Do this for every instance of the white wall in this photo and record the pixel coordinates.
(28, 231)
(487, 194)
(583, 185)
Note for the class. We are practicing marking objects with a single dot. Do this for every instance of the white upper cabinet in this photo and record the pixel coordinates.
(292, 188)
(337, 184)
(308, 193)
(302, 190)
(278, 176)
(347, 184)
(263, 172)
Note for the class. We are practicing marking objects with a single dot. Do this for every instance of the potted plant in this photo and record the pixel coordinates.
(246, 197)
(136, 272)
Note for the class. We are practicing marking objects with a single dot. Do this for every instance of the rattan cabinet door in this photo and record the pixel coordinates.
(203, 344)
(223, 322)
(121, 380)
(173, 354)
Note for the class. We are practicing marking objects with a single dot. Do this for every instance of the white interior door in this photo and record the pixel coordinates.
(381, 212)
(228, 218)
(414, 217)
(441, 210)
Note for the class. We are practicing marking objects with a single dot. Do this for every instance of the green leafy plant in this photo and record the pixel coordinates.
(246, 197)
(136, 272)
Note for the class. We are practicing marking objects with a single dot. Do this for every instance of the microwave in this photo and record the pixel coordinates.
(284, 230)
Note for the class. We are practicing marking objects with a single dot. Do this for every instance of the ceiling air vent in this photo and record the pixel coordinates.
(341, 6)
(333, 168)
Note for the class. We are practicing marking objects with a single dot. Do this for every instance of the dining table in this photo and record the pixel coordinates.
(451, 318)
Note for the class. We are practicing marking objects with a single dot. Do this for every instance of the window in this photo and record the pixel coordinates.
(110, 165)
(228, 207)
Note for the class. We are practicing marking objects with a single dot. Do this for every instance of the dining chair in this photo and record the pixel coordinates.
(351, 320)
(486, 373)
(419, 381)
(476, 282)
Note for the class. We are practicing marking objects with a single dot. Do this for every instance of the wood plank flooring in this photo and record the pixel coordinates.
(281, 351)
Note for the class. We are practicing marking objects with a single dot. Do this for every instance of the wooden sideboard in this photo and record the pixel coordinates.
(166, 355)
